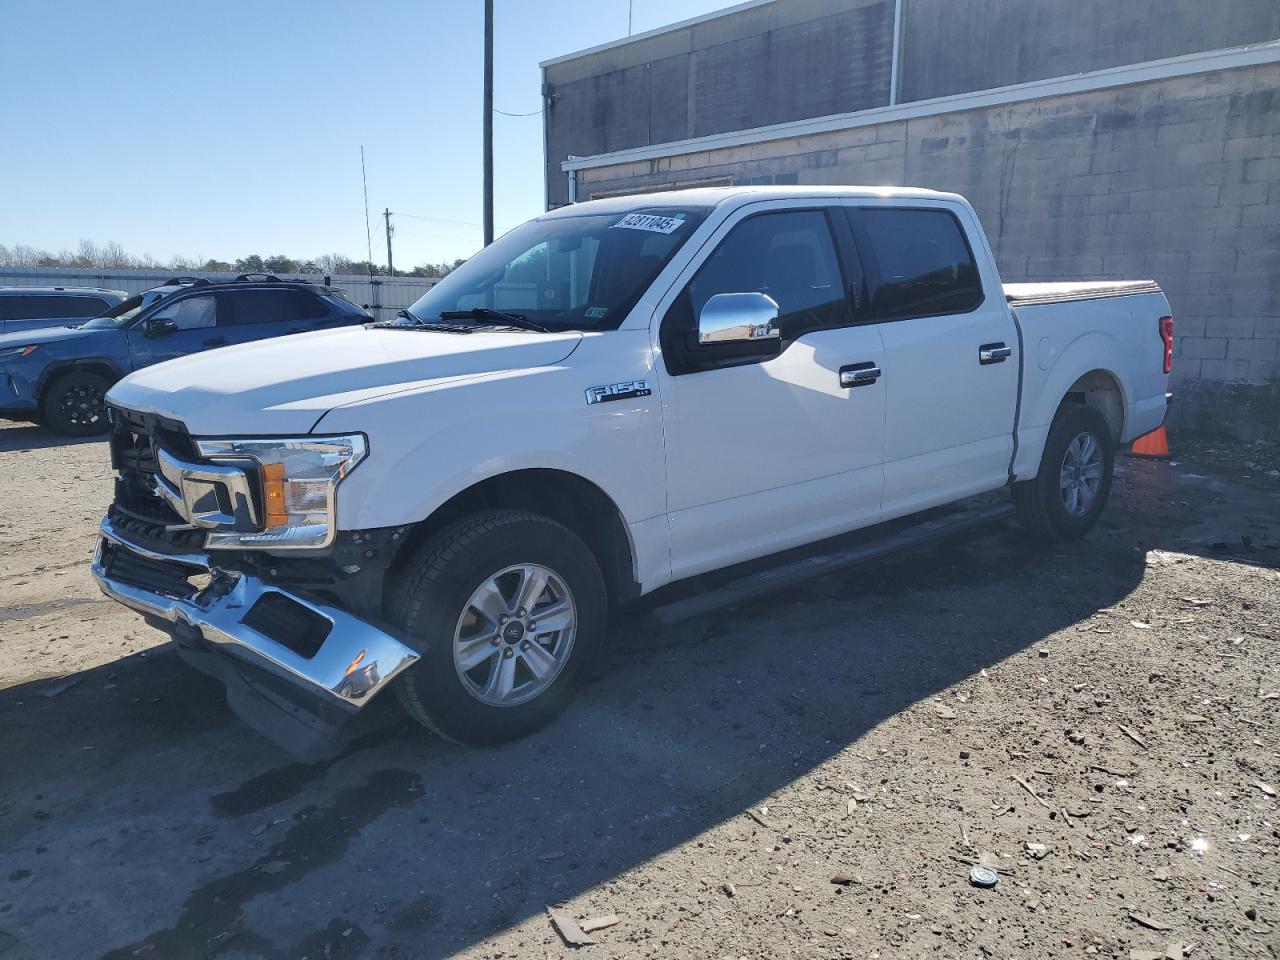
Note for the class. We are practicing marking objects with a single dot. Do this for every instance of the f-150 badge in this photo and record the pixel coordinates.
(618, 391)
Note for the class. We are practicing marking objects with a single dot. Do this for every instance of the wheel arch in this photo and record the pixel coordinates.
(560, 495)
(59, 368)
(1101, 389)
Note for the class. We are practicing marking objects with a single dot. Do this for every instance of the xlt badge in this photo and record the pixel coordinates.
(618, 391)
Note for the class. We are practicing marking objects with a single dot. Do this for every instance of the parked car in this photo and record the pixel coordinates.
(31, 308)
(612, 398)
(59, 376)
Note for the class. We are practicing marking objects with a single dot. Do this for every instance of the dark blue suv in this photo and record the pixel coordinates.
(60, 376)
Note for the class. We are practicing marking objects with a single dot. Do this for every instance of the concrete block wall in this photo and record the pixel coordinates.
(1023, 40)
(766, 64)
(793, 59)
(1177, 180)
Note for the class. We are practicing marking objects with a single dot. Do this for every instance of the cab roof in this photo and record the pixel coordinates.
(706, 198)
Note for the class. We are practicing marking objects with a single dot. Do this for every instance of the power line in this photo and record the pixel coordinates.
(418, 216)
(505, 113)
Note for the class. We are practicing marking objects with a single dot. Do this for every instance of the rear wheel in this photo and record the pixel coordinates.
(75, 404)
(509, 608)
(1068, 495)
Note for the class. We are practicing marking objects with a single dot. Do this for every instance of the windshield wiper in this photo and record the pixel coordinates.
(484, 313)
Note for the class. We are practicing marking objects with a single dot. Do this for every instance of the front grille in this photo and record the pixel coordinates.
(136, 508)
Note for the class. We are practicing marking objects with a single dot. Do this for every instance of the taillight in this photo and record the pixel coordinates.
(1166, 334)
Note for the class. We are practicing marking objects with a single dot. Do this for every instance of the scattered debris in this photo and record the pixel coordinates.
(758, 817)
(565, 925)
(1132, 736)
(843, 879)
(59, 686)
(592, 924)
(1027, 787)
(729, 889)
(1140, 624)
(1037, 851)
(981, 876)
(1149, 923)
(1266, 788)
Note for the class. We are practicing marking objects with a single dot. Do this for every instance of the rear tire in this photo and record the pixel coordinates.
(473, 595)
(1069, 493)
(75, 405)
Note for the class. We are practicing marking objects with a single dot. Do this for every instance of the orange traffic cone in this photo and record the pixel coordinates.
(1154, 445)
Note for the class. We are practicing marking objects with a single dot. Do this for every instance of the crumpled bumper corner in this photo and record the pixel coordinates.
(294, 668)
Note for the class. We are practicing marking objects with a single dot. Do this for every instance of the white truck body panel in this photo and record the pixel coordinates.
(712, 468)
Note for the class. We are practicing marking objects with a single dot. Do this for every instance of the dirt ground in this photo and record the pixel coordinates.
(803, 777)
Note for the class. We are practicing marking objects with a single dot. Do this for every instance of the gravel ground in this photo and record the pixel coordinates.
(803, 777)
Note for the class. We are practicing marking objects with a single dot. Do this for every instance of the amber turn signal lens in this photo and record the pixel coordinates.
(273, 491)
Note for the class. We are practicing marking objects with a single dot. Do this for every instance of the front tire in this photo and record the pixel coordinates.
(509, 608)
(1069, 493)
(75, 404)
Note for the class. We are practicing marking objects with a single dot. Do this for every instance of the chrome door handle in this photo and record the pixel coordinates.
(859, 374)
(994, 353)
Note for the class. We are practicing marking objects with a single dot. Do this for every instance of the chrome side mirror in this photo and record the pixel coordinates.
(738, 318)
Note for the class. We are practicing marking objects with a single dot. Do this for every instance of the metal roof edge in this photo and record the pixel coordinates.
(655, 32)
(1167, 68)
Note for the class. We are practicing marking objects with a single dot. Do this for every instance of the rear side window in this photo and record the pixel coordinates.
(74, 306)
(50, 307)
(269, 306)
(925, 264)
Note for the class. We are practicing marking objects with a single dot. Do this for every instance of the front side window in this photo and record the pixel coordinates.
(577, 272)
(925, 264)
(193, 313)
(788, 255)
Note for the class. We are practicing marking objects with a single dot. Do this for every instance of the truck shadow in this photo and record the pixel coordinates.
(171, 831)
(16, 437)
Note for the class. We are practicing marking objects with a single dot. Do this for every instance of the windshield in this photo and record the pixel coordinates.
(563, 273)
(121, 314)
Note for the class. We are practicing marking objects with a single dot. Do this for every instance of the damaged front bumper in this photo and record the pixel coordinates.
(295, 669)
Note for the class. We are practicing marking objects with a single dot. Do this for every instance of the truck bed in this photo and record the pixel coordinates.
(1025, 294)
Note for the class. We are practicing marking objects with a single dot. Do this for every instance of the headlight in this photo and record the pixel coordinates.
(13, 353)
(299, 481)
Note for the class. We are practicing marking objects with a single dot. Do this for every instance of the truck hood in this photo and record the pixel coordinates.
(285, 385)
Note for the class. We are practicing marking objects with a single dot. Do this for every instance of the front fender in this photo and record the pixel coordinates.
(425, 447)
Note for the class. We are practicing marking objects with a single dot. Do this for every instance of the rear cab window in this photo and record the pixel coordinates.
(923, 263)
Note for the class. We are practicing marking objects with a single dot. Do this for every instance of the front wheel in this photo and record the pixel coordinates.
(75, 404)
(1067, 496)
(509, 608)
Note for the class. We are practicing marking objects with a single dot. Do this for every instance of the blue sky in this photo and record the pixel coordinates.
(219, 130)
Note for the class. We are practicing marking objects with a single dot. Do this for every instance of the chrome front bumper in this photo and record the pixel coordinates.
(352, 664)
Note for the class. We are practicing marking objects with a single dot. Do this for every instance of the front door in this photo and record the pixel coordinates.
(770, 451)
(194, 328)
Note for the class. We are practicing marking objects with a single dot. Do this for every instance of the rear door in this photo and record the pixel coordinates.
(951, 352)
(776, 447)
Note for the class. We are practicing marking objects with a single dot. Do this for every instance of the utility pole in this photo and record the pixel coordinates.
(488, 122)
(386, 214)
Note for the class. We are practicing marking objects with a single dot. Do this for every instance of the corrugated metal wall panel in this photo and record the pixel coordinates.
(382, 296)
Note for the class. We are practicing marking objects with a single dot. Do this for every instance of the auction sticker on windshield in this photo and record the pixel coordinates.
(650, 222)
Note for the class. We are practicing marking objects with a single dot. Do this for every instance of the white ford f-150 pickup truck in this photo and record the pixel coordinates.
(615, 397)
